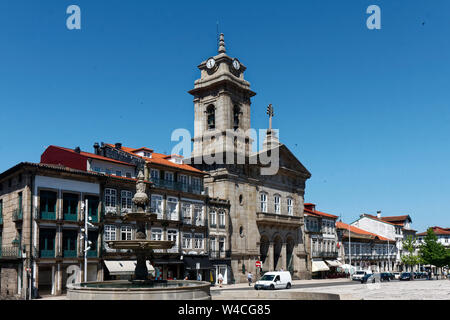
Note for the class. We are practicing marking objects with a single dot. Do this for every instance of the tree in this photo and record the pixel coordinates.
(433, 252)
(409, 258)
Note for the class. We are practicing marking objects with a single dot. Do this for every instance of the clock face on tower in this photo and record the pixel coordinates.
(236, 64)
(210, 63)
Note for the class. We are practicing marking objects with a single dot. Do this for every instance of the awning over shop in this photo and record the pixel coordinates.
(160, 261)
(333, 263)
(190, 262)
(319, 266)
(126, 267)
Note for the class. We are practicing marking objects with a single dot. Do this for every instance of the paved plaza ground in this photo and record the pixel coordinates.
(352, 290)
(394, 290)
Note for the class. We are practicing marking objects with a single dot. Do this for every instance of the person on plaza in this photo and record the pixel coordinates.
(220, 278)
(249, 278)
(199, 277)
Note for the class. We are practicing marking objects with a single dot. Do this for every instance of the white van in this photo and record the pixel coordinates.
(274, 280)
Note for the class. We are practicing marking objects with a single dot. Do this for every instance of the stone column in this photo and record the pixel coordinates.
(58, 280)
(283, 256)
(270, 256)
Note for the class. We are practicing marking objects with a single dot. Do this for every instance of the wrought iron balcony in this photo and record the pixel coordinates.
(70, 217)
(178, 186)
(92, 254)
(324, 254)
(70, 253)
(174, 250)
(17, 215)
(219, 254)
(265, 218)
(47, 253)
(10, 252)
(1, 219)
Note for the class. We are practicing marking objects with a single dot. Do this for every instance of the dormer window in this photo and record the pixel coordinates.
(211, 116)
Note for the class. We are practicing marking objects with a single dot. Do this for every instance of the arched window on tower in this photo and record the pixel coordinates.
(236, 114)
(211, 116)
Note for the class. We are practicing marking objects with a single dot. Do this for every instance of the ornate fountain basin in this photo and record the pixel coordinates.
(140, 244)
(126, 290)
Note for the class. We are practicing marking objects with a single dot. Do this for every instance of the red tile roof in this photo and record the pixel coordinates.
(160, 159)
(398, 220)
(376, 218)
(94, 156)
(353, 229)
(315, 212)
(436, 230)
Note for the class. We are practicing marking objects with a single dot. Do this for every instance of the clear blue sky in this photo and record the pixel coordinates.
(366, 111)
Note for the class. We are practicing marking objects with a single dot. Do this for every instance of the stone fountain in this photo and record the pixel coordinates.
(140, 288)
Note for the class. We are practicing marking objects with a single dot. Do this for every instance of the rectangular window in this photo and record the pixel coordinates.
(184, 182)
(156, 205)
(276, 200)
(221, 219)
(212, 218)
(212, 244)
(290, 207)
(47, 205)
(126, 198)
(70, 206)
(198, 241)
(263, 202)
(196, 184)
(221, 244)
(168, 176)
(70, 243)
(109, 233)
(97, 169)
(92, 208)
(156, 234)
(1, 210)
(172, 204)
(128, 174)
(47, 243)
(187, 237)
(172, 235)
(110, 198)
(198, 215)
(125, 233)
(186, 212)
(118, 173)
(154, 174)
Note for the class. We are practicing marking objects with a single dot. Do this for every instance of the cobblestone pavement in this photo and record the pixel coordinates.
(394, 290)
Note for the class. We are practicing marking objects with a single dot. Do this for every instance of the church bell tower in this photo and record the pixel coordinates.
(222, 106)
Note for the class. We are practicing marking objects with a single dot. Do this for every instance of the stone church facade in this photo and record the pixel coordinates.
(266, 211)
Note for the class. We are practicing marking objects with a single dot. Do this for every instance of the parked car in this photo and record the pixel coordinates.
(359, 275)
(406, 276)
(274, 280)
(386, 276)
(370, 278)
(396, 275)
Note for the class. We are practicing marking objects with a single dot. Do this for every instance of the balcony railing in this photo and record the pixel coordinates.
(173, 250)
(70, 253)
(17, 215)
(92, 254)
(70, 216)
(178, 186)
(47, 253)
(10, 252)
(1, 219)
(324, 254)
(219, 254)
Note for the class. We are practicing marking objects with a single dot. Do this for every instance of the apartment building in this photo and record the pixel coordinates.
(321, 241)
(366, 250)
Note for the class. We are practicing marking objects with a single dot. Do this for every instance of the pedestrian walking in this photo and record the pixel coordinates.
(249, 278)
(220, 278)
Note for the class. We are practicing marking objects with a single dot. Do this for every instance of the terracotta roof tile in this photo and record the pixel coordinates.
(341, 225)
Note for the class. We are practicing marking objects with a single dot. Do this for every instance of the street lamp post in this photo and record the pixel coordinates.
(87, 243)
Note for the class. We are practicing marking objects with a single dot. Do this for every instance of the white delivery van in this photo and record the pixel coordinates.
(274, 280)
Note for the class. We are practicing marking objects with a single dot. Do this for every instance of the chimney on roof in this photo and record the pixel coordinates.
(379, 214)
(96, 148)
(118, 145)
(77, 150)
